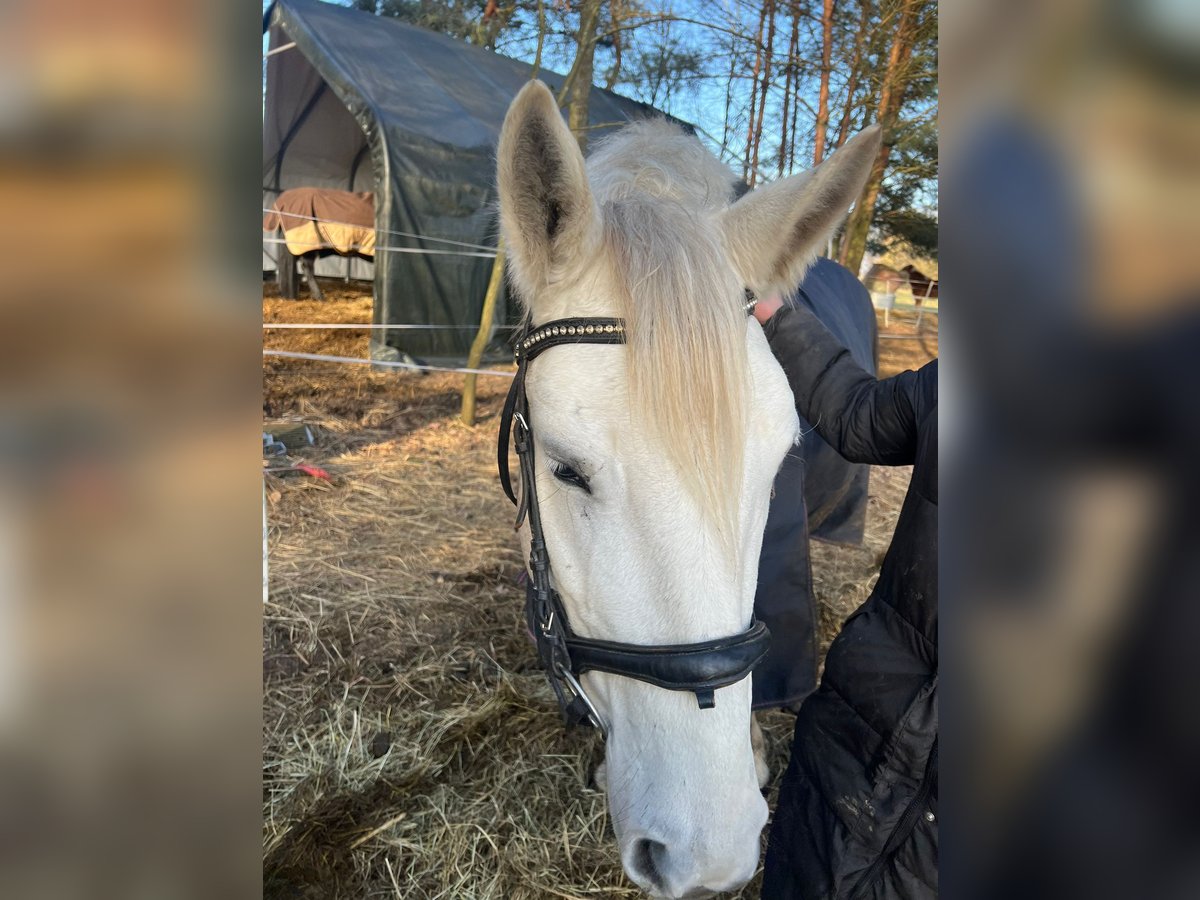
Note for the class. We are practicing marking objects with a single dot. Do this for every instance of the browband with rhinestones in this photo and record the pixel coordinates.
(590, 330)
(570, 331)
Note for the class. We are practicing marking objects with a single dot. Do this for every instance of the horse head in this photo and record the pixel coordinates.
(654, 460)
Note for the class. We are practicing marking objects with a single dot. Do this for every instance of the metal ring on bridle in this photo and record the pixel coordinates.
(577, 688)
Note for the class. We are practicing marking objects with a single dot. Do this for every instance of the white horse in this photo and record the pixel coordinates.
(655, 460)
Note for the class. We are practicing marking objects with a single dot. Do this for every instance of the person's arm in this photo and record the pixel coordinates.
(866, 420)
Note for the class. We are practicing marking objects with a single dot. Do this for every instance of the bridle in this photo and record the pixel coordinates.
(699, 668)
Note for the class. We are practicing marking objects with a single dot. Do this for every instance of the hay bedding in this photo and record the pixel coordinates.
(410, 746)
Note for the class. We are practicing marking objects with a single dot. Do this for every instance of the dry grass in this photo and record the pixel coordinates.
(410, 746)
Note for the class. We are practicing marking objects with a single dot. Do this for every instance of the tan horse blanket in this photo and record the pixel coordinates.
(324, 219)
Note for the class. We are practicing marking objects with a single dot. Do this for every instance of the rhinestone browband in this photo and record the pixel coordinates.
(580, 331)
(570, 331)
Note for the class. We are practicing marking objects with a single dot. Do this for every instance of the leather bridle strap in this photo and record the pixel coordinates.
(516, 392)
(700, 668)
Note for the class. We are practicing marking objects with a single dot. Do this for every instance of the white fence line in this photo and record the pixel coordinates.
(321, 357)
(339, 325)
(376, 249)
(407, 234)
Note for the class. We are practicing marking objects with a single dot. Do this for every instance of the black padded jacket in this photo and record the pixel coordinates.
(857, 812)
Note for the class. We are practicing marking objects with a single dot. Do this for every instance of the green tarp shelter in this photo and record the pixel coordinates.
(364, 103)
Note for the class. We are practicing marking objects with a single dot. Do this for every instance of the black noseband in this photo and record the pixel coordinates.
(700, 668)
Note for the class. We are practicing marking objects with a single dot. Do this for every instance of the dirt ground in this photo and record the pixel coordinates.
(410, 746)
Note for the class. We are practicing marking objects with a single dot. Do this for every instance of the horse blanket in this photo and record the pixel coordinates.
(324, 219)
(818, 494)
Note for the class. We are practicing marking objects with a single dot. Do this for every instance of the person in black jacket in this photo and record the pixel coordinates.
(857, 810)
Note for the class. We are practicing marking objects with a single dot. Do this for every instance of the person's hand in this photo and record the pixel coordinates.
(767, 307)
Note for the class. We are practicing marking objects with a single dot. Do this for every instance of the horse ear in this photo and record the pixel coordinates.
(774, 233)
(547, 213)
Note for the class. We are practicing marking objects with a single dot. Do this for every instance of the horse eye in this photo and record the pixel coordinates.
(567, 475)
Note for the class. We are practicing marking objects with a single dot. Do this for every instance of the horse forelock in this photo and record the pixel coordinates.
(659, 191)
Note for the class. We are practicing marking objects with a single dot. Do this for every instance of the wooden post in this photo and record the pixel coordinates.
(481, 337)
(285, 272)
(266, 579)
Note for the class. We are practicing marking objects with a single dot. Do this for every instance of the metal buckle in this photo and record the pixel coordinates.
(577, 689)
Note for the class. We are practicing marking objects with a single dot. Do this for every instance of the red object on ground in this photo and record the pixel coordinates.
(314, 471)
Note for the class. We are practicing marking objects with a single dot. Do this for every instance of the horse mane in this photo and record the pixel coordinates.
(659, 191)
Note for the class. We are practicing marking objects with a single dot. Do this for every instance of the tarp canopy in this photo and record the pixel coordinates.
(365, 103)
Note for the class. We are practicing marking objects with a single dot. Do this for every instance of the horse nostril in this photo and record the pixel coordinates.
(650, 865)
(646, 862)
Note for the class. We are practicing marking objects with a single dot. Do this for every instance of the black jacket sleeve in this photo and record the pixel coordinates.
(866, 420)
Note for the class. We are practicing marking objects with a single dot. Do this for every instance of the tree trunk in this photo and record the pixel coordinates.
(748, 174)
(795, 104)
(789, 72)
(615, 12)
(729, 100)
(891, 96)
(823, 94)
(769, 12)
(855, 68)
(581, 72)
(541, 40)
